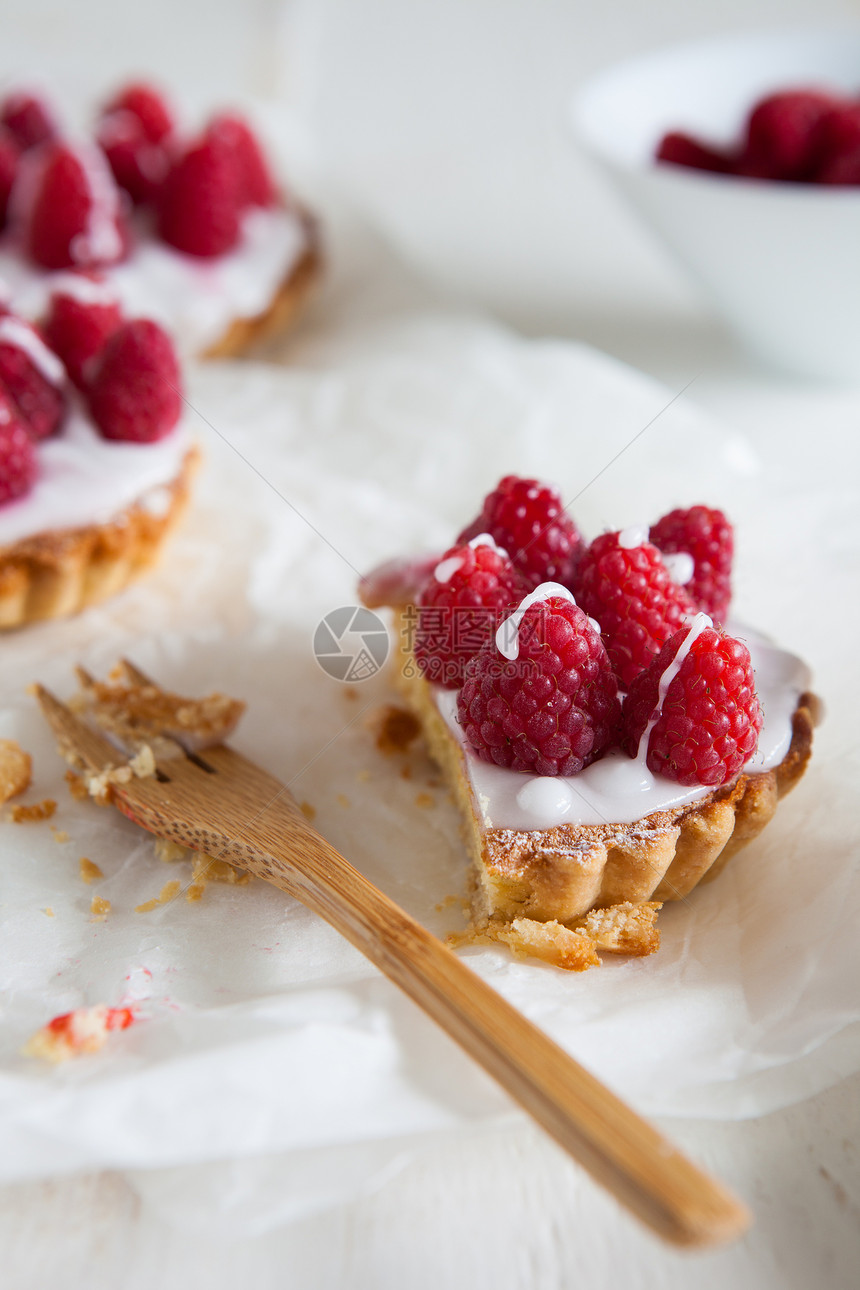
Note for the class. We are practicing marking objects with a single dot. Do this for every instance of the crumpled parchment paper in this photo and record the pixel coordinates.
(265, 1039)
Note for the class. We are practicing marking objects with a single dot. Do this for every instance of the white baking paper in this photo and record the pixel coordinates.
(264, 1039)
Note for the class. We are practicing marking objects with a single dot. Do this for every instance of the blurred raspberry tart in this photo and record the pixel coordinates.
(610, 741)
(95, 464)
(188, 230)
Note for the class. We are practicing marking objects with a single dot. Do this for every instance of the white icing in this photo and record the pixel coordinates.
(618, 789)
(101, 240)
(446, 569)
(681, 566)
(195, 299)
(545, 796)
(508, 632)
(699, 623)
(85, 479)
(635, 535)
(484, 539)
(83, 289)
(14, 331)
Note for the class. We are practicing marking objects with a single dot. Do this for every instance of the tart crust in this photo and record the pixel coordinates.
(284, 307)
(62, 571)
(560, 874)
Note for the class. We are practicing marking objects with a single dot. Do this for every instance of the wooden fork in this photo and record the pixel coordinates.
(224, 805)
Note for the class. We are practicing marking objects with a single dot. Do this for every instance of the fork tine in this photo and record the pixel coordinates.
(74, 736)
(134, 674)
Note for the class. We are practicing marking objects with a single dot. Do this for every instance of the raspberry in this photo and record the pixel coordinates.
(707, 536)
(682, 150)
(396, 582)
(73, 216)
(837, 146)
(32, 375)
(136, 390)
(256, 185)
(148, 106)
(709, 719)
(199, 206)
(9, 154)
(81, 319)
(19, 464)
(621, 581)
(138, 165)
(28, 119)
(553, 709)
(780, 134)
(459, 608)
(528, 519)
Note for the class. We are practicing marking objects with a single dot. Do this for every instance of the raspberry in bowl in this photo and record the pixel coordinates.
(613, 739)
(188, 227)
(764, 224)
(95, 471)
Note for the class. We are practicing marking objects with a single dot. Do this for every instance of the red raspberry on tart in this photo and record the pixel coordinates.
(705, 710)
(28, 118)
(255, 184)
(549, 704)
(135, 392)
(32, 375)
(71, 214)
(199, 204)
(82, 317)
(460, 607)
(528, 519)
(705, 535)
(9, 157)
(622, 581)
(19, 463)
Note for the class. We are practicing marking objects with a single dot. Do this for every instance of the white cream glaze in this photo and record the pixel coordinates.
(617, 789)
(195, 299)
(508, 632)
(17, 332)
(85, 479)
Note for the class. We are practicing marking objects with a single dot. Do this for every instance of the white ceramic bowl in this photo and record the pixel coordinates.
(780, 262)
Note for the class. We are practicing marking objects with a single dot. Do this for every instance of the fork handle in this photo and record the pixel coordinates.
(618, 1148)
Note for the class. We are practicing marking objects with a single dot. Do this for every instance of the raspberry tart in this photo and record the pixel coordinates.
(95, 464)
(611, 736)
(189, 230)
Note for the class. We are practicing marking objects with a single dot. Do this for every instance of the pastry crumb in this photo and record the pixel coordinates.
(77, 787)
(89, 870)
(37, 811)
(168, 892)
(552, 941)
(16, 769)
(343, 801)
(168, 850)
(396, 728)
(206, 868)
(195, 892)
(60, 835)
(99, 908)
(363, 776)
(48, 912)
(626, 928)
(308, 811)
(424, 800)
